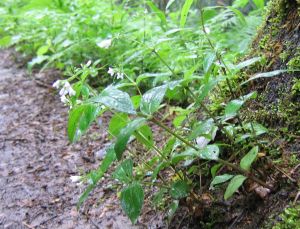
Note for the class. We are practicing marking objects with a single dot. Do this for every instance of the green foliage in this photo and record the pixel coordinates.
(132, 60)
(233, 186)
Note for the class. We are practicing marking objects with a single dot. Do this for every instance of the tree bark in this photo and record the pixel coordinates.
(278, 42)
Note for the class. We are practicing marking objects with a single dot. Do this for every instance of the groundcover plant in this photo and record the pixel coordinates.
(177, 67)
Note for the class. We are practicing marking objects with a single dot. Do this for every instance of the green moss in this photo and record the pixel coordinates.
(294, 63)
(296, 87)
(290, 218)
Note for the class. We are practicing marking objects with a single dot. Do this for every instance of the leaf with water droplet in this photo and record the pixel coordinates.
(115, 99)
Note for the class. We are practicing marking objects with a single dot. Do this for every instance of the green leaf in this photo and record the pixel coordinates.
(132, 199)
(240, 3)
(152, 99)
(210, 152)
(172, 209)
(215, 169)
(220, 179)
(158, 12)
(5, 41)
(145, 136)
(124, 171)
(80, 118)
(115, 99)
(265, 75)
(42, 50)
(233, 107)
(234, 185)
(125, 133)
(206, 88)
(204, 128)
(179, 189)
(184, 12)
(259, 3)
(169, 4)
(258, 128)
(117, 122)
(247, 63)
(248, 159)
(106, 163)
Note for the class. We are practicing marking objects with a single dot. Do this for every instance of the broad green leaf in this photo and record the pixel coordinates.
(248, 159)
(115, 99)
(145, 136)
(203, 128)
(220, 179)
(265, 75)
(125, 133)
(152, 99)
(5, 41)
(117, 122)
(189, 153)
(42, 50)
(235, 105)
(257, 128)
(179, 189)
(232, 108)
(184, 12)
(98, 174)
(234, 185)
(259, 3)
(132, 199)
(80, 118)
(124, 171)
(158, 12)
(210, 152)
(136, 100)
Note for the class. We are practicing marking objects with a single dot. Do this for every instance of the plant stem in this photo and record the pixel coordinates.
(231, 165)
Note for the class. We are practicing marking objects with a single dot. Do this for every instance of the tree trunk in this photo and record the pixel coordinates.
(278, 43)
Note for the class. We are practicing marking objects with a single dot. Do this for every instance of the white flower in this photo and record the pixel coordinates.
(105, 44)
(75, 179)
(56, 84)
(88, 63)
(72, 92)
(111, 71)
(206, 29)
(67, 89)
(64, 99)
(120, 75)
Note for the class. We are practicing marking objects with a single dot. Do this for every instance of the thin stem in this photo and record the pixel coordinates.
(231, 165)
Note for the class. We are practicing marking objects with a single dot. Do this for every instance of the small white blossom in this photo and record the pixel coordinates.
(206, 29)
(75, 179)
(56, 84)
(72, 92)
(120, 75)
(88, 63)
(64, 99)
(105, 44)
(111, 71)
(67, 89)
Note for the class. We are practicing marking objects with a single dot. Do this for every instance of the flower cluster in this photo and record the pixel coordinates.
(65, 90)
(113, 72)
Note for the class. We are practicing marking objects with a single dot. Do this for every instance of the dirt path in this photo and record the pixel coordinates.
(36, 160)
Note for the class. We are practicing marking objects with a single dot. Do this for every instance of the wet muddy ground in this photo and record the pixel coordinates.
(37, 160)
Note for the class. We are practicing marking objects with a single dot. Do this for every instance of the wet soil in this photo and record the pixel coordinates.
(37, 160)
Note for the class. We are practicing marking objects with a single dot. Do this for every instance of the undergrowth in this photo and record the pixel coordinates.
(134, 60)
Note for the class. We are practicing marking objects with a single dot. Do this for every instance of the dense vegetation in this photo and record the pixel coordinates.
(177, 66)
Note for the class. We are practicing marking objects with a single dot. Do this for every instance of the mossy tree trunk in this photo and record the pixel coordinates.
(278, 42)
